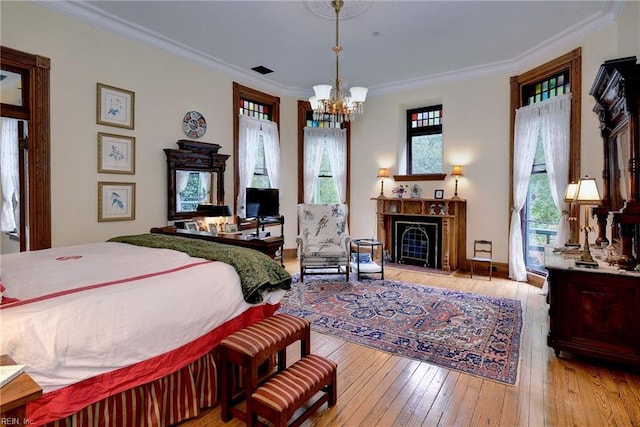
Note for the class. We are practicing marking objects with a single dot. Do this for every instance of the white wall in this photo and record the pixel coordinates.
(476, 127)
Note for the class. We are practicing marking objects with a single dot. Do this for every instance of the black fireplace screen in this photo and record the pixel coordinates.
(417, 242)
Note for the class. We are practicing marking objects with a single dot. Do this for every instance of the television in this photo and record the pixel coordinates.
(262, 202)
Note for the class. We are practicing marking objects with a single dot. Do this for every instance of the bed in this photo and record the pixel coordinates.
(125, 332)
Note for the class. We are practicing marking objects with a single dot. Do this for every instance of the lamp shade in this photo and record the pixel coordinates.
(570, 192)
(383, 173)
(587, 192)
(314, 103)
(322, 92)
(457, 170)
(208, 209)
(359, 94)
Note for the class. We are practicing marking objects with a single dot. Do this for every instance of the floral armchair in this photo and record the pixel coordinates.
(323, 242)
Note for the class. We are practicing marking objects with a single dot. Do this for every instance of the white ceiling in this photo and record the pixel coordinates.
(417, 42)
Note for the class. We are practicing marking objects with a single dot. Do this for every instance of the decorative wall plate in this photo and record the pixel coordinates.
(194, 124)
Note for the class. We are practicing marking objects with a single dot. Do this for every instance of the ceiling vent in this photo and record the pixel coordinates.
(262, 69)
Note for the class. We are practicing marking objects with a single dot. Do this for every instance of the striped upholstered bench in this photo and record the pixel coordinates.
(248, 349)
(279, 398)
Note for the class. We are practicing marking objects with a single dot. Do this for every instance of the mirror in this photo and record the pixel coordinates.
(193, 188)
(623, 163)
(195, 174)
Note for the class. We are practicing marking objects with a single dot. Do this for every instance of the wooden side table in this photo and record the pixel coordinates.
(14, 397)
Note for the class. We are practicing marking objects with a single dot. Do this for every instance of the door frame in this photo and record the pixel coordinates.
(36, 71)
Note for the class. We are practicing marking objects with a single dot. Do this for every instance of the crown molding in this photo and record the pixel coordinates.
(94, 16)
(536, 55)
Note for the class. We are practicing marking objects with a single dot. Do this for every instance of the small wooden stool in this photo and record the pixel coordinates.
(248, 348)
(281, 396)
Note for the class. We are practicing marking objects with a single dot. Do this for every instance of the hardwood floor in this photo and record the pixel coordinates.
(379, 389)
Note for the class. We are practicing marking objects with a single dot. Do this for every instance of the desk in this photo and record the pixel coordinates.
(593, 312)
(15, 395)
(266, 245)
(372, 267)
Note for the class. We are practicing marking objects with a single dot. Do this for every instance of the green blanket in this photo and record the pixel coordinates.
(257, 271)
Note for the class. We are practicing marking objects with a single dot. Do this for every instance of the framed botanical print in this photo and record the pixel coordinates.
(116, 201)
(116, 153)
(115, 106)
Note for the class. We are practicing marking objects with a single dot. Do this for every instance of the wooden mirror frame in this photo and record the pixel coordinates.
(198, 157)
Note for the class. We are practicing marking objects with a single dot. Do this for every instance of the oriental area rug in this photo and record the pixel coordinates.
(470, 333)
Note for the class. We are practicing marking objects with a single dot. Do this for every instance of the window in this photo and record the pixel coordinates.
(548, 88)
(540, 217)
(260, 168)
(260, 111)
(424, 140)
(325, 190)
(326, 147)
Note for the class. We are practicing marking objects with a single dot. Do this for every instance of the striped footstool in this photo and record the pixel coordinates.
(280, 397)
(249, 348)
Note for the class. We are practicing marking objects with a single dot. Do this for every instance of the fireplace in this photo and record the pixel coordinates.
(439, 233)
(417, 241)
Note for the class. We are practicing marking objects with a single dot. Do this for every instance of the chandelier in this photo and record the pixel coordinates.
(333, 102)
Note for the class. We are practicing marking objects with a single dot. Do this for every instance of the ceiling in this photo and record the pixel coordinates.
(388, 45)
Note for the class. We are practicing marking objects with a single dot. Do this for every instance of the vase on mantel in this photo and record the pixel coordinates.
(398, 191)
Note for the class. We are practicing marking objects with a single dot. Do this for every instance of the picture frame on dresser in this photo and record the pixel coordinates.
(115, 106)
(438, 194)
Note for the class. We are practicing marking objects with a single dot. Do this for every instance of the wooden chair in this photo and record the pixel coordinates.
(482, 253)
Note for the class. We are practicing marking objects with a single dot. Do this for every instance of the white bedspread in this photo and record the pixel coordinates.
(78, 335)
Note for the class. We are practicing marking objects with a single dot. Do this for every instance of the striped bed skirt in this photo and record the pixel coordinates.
(163, 402)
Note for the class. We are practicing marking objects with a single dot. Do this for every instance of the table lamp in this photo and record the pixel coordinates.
(586, 194)
(569, 195)
(382, 174)
(457, 172)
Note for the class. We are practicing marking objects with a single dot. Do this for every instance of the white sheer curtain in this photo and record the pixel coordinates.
(555, 139)
(9, 175)
(205, 183)
(337, 148)
(314, 140)
(182, 178)
(271, 141)
(548, 120)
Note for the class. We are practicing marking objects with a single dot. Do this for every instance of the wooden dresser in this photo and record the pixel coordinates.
(593, 312)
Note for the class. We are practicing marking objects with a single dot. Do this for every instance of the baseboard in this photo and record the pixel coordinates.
(290, 254)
